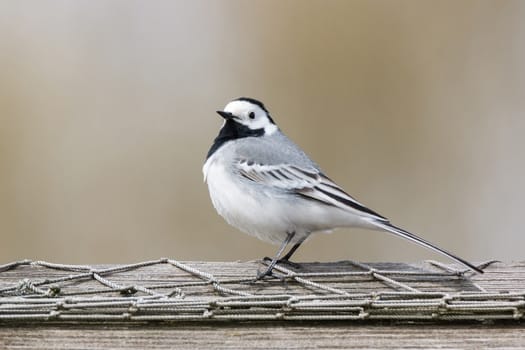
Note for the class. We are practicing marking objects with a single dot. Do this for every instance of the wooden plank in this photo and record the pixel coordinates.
(500, 282)
(171, 290)
(280, 335)
(498, 277)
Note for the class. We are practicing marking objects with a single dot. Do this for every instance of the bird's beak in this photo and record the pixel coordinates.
(225, 115)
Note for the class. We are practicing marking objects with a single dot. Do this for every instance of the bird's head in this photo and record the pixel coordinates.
(249, 113)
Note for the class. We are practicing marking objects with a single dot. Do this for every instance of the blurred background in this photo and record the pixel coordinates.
(107, 110)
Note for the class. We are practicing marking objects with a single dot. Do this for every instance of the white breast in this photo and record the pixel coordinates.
(241, 207)
(267, 214)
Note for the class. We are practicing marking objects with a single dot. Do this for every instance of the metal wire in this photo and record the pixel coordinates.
(354, 291)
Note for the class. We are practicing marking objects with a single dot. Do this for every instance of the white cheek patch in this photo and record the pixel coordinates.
(260, 123)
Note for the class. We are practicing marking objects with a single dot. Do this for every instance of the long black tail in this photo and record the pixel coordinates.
(412, 237)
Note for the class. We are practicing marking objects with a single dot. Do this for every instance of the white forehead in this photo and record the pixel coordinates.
(241, 107)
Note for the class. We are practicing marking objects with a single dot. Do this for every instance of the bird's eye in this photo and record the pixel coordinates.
(251, 115)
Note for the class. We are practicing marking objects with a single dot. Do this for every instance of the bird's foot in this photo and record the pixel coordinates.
(268, 272)
(265, 273)
(284, 261)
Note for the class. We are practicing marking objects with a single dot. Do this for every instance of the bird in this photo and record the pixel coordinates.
(265, 185)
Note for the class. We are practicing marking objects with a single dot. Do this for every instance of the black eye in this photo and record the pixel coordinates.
(251, 115)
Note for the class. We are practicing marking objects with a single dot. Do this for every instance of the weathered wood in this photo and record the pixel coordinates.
(499, 282)
(274, 335)
(498, 277)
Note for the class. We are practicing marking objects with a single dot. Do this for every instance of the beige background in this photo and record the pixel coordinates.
(107, 112)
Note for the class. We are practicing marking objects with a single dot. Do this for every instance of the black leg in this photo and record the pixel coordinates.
(268, 271)
(291, 251)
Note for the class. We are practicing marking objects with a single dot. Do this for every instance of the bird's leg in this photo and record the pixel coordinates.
(286, 258)
(268, 271)
(288, 255)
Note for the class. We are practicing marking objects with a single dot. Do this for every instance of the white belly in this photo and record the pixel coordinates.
(268, 214)
(243, 209)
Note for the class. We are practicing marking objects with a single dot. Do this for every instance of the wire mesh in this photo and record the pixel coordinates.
(171, 290)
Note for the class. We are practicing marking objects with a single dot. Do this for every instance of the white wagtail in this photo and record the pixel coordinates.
(263, 184)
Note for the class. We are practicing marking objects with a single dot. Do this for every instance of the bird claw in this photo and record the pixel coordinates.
(284, 262)
(269, 270)
(261, 275)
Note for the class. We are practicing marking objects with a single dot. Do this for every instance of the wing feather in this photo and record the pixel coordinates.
(309, 183)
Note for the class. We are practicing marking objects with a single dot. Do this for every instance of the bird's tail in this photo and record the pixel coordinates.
(412, 237)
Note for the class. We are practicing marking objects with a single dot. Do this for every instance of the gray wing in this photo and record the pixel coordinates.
(309, 183)
(271, 150)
